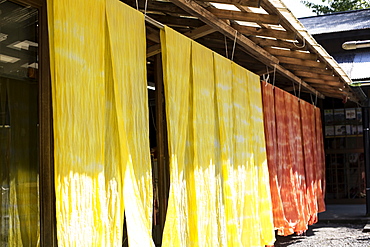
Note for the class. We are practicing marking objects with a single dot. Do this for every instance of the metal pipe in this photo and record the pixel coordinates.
(351, 45)
(154, 22)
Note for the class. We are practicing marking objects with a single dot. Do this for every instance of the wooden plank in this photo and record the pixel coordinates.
(276, 43)
(249, 3)
(244, 16)
(323, 71)
(200, 32)
(290, 53)
(176, 21)
(268, 32)
(317, 76)
(319, 81)
(153, 50)
(252, 49)
(297, 80)
(297, 61)
(247, 45)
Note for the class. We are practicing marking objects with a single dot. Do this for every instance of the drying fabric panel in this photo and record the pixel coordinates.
(260, 160)
(285, 158)
(79, 123)
(280, 222)
(20, 187)
(224, 98)
(216, 197)
(102, 156)
(126, 28)
(308, 135)
(176, 50)
(320, 164)
(298, 164)
(205, 146)
(246, 189)
(295, 159)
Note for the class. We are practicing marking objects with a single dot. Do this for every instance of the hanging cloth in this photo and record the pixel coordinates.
(102, 156)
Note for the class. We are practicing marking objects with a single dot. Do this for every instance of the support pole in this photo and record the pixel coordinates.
(366, 132)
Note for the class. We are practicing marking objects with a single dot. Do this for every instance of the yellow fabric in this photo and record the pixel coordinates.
(102, 157)
(219, 194)
(176, 52)
(19, 173)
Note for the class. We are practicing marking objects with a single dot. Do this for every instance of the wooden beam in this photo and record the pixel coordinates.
(200, 32)
(323, 71)
(292, 54)
(193, 34)
(268, 32)
(308, 63)
(244, 16)
(263, 42)
(317, 76)
(319, 81)
(207, 17)
(176, 21)
(249, 3)
(247, 45)
(280, 69)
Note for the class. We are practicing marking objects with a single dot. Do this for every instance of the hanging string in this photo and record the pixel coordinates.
(294, 89)
(227, 55)
(299, 92)
(316, 99)
(232, 55)
(137, 5)
(312, 99)
(146, 5)
(266, 78)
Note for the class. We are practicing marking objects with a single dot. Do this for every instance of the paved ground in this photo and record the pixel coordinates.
(329, 235)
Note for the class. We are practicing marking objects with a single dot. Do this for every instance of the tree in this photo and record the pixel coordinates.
(332, 6)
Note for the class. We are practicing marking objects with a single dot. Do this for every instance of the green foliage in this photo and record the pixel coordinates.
(332, 6)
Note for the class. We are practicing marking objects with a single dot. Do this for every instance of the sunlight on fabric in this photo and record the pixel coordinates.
(102, 159)
(214, 109)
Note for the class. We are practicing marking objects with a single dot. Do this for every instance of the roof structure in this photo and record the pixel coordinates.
(266, 36)
(338, 22)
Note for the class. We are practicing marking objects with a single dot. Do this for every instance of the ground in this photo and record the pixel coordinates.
(328, 235)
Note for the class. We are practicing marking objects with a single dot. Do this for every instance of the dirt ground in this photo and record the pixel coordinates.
(328, 235)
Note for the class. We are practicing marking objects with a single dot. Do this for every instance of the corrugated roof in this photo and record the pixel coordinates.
(356, 64)
(337, 22)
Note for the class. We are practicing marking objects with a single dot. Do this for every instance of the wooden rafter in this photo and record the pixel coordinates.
(243, 16)
(249, 3)
(250, 47)
(268, 32)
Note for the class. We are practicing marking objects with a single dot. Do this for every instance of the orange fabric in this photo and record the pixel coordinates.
(295, 155)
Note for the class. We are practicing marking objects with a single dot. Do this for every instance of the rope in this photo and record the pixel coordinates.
(232, 55)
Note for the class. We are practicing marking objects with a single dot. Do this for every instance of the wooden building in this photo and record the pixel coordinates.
(262, 36)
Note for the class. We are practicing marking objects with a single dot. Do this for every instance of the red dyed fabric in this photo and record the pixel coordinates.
(309, 150)
(285, 158)
(320, 162)
(280, 222)
(295, 156)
